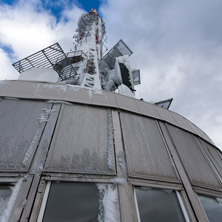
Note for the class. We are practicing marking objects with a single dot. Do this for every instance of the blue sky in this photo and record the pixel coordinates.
(56, 7)
(177, 45)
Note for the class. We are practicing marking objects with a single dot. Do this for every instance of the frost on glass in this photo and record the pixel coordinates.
(8, 196)
(5, 192)
(155, 205)
(212, 207)
(108, 203)
(82, 202)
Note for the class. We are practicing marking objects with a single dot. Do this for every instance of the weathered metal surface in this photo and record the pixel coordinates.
(195, 203)
(30, 199)
(127, 204)
(70, 93)
(82, 142)
(194, 161)
(166, 115)
(181, 121)
(43, 147)
(20, 131)
(148, 109)
(21, 199)
(214, 155)
(129, 104)
(146, 153)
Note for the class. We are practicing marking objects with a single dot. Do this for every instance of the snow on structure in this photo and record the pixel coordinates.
(122, 162)
(109, 203)
(110, 140)
(118, 180)
(11, 202)
(43, 118)
(30, 151)
(85, 66)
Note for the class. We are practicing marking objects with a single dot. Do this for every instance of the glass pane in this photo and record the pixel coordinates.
(157, 205)
(72, 202)
(5, 192)
(212, 207)
(82, 202)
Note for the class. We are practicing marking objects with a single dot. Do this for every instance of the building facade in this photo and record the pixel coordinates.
(72, 149)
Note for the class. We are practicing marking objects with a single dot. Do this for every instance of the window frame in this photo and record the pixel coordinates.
(40, 201)
(180, 193)
(208, 193)
(23, 192)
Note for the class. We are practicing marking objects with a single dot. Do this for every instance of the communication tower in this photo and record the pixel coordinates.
(75, 144)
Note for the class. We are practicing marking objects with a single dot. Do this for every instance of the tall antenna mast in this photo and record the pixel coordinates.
(85, 65)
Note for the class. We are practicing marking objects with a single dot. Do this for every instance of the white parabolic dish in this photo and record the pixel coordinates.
(40, 74)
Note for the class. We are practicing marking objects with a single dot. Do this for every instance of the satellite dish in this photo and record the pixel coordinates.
(125, 90)
(40, 74)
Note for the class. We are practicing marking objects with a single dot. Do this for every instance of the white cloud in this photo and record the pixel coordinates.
(177, 46)
(27, 28)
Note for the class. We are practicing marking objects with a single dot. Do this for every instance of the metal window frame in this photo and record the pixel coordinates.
(18, 207)
(136, 204)
(44, 201)
(44, 189)
(207, 192)
(178, 193)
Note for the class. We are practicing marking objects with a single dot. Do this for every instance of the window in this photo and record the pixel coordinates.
(64, 201)
(5, 193)
(212, 207)
(157, 205)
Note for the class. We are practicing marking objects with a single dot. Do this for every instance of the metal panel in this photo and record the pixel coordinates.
(51, 57)
(82, 142)
(214, 155)
(77, 94)
(44, 144)
(181, 121)
(166, 115)
(136, 77)
(70, 93)
(194, 161)
(127, 205)
(119, 49)
(198, 210)
(148, 109)
(19, 133)
(146, 154)
(127, 103)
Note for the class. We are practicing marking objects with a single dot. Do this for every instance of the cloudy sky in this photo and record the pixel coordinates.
(177, 46)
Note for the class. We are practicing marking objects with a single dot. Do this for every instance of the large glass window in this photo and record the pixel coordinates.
(82, 202)
(157, 205)
(212, 207)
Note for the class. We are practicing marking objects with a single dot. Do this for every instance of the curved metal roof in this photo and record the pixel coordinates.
(71, 93)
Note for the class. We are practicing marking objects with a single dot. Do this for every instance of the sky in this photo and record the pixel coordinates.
(177, 45)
